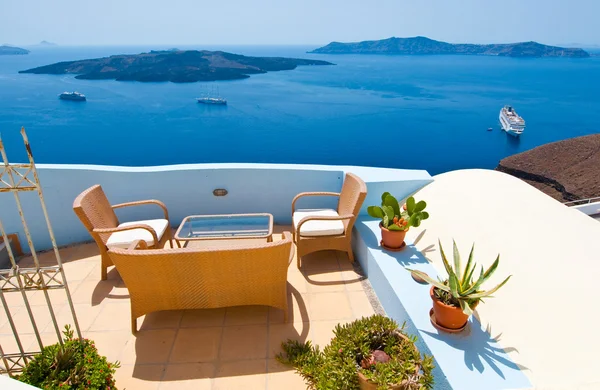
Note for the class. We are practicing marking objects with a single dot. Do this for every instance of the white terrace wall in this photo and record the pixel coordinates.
(188, 190)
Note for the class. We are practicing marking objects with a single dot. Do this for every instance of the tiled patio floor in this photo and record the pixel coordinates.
(230, 348)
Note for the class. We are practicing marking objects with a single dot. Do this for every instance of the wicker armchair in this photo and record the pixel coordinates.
(99, 218)
(322, 229)
(205, 278)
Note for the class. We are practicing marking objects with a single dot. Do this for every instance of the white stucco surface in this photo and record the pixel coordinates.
(545, 316)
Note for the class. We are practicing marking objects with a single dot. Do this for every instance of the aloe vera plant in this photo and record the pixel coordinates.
(394, 217)
(461, 284)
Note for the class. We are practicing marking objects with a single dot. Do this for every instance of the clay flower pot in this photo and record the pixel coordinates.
(392, 239)
(447, 316)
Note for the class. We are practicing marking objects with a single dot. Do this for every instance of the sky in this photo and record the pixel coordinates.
(281, 22)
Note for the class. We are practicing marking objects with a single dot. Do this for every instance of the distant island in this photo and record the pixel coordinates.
(423, 45)
(46, 43)
(566, 170)
(12, 50)
(173, 65)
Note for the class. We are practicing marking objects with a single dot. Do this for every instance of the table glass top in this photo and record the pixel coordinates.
(225, 226)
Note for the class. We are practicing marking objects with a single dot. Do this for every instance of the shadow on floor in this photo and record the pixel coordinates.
(230, 346)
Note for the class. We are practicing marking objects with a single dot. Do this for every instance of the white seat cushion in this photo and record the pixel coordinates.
(124, 239)
(318, 228)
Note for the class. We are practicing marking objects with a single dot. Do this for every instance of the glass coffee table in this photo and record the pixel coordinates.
(225, 227)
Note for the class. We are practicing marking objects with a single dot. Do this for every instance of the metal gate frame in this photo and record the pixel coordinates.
(18, 178)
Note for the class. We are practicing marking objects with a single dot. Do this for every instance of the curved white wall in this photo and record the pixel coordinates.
(545, 315)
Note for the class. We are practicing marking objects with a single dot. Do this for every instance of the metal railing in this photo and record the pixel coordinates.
(17, 178)
(582, 201)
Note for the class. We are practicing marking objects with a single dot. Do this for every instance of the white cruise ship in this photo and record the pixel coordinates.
(511, 122)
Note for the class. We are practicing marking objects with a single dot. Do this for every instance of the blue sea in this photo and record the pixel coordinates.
(423, 112)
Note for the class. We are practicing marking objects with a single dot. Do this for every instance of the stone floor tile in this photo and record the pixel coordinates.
(243, 342)
(322, 260)
(329, 306)
(353, 280)
(246, 315)
(321, 332)
(297, 310)
(279, 333)
(203, 317)
(322, 281)
(283, 377)
(242, 374)
(142, 377)
(192, 376)
(196, 345)
(148, 346)
(361, 307)
(114, 316)
(113, 344)
(167, 319)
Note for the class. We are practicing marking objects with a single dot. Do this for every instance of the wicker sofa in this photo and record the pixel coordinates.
(204, 278)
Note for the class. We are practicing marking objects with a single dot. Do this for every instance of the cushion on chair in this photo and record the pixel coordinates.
(123, 239)
(318, 228)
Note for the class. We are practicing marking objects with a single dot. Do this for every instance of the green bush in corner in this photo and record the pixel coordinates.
(373, 347)
(74, 365)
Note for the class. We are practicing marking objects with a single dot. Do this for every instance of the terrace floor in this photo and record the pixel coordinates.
(230, 348)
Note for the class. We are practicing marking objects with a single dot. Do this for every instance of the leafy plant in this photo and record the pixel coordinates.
(461, 289)
(74, 365)
(371, 345)
(393, 217)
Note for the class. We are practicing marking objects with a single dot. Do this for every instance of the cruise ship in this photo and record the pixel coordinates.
(76, 96)
(511, 122)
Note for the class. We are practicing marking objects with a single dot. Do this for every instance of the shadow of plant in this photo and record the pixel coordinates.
(478, 347)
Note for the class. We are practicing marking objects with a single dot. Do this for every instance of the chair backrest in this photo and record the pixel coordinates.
(207, 277)
(352, 196)
(94, 211)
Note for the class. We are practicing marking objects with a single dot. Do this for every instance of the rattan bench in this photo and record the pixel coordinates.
(204, 278)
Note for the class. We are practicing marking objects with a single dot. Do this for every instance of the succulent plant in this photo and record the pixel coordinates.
(394, 217)
(460, 285)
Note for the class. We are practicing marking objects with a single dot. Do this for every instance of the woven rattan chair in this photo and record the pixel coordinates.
(205, 278)
(99, 218)
(321, 229)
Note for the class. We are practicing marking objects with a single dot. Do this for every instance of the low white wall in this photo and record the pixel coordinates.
(188, 190)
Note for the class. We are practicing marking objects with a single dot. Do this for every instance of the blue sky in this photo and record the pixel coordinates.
(83, 22)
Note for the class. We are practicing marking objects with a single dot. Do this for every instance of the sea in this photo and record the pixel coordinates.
(413, 112)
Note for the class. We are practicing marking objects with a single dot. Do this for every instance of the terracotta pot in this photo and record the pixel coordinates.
(450, 317)
(392, 238)
(365, 384)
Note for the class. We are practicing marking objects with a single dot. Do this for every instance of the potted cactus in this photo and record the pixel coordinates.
(396, 220)
(455, 297)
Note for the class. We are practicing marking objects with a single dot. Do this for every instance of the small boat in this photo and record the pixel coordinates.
(75, 96)
(490, 129)
(511, 122)
(212, 100)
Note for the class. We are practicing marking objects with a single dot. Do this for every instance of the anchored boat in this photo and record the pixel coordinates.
(75, 96)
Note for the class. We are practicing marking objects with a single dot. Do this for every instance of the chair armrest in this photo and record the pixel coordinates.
(322, 218)
(288, 236)
(143, 202)
(303, 194)
(130, 227)
(137, 244)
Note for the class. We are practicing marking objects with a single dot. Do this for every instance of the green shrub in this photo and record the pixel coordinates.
(74, 365)
(353, 348)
